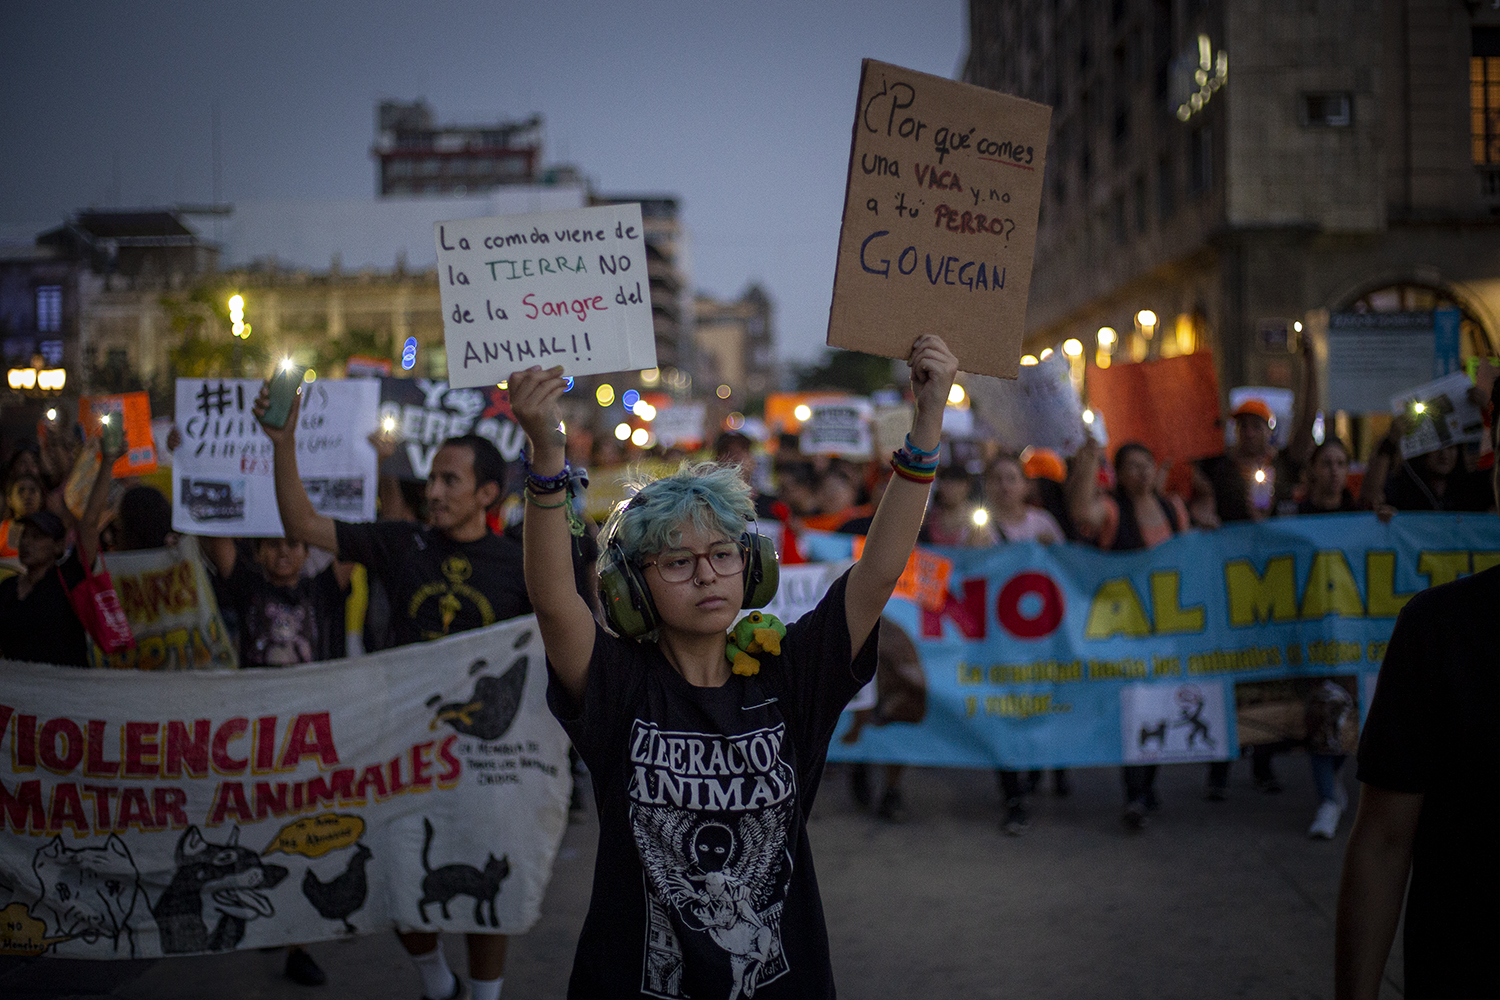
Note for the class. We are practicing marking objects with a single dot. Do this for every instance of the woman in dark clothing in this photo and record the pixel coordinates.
(1136, 516)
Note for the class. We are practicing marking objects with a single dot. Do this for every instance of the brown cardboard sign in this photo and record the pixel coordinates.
(940, 219)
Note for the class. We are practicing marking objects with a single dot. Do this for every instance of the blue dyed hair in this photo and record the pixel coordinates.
(712, 497)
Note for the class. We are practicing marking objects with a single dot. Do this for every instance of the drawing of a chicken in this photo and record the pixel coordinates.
(342, 896)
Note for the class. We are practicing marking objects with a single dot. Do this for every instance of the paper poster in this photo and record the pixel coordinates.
(1040, 409)
(1438, 414)
(423, 788)
(1374, 356)
(423, 413)
(1174, 722)
(940, 216)
(547, 288)
(840, 428)
(173, 614)
(1171, 406)
(134, 408)
(222, 481)
(680, 425)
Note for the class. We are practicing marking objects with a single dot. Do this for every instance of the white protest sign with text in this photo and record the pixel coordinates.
(222, 482)
(547, 288)
(841, 428)
(940, 217)
(1447, 415)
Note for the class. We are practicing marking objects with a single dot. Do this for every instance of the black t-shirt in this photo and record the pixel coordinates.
(437, 586)
(704, 875)
(43, 628)
(1234, 497)
(1431, 730)
(280, 626)
(1347, 505)
(1464, 490)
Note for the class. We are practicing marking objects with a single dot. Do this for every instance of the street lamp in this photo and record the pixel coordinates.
(237, 324)
(1104, 342)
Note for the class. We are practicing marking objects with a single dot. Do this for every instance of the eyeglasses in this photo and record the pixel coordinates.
(679, 565)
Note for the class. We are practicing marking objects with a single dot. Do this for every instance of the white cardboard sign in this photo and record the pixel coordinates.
(841, 428)
(222, 482)
(546, 288)
(1448, 415)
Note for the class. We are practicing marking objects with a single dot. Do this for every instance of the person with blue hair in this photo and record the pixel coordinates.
(704, 770)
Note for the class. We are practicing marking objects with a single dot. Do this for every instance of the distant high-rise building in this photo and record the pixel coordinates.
(415, 156)
(671, 307)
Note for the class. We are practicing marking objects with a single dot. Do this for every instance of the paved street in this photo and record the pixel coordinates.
(1211, 901)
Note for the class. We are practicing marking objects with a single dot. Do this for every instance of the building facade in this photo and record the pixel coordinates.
(1235, 171)
(736, 338)
(414, 155)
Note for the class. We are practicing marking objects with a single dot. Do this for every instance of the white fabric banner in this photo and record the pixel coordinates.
(222, 481)
(152, 814)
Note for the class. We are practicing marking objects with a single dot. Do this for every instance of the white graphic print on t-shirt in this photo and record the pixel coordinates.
(711, 816)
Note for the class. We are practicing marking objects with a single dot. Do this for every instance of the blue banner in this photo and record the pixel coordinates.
(1062, 655)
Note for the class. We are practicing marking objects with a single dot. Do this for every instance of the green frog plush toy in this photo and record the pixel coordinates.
(755, 633)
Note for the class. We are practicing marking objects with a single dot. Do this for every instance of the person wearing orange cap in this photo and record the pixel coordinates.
(1252, 480)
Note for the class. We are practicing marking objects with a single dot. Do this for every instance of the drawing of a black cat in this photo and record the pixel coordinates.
(440, 885)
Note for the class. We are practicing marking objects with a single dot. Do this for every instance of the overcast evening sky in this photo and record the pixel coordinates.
(742, 110)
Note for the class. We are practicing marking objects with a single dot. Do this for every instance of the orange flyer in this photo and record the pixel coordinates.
(925, 579)
(140, 448)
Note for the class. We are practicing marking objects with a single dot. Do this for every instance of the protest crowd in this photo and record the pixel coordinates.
(330, 588)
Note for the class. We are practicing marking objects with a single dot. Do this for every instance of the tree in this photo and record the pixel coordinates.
(852, 371)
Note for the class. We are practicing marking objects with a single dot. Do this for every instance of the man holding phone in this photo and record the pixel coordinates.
(448, 575)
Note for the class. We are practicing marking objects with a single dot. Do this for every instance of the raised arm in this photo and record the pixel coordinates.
(898, 519)
(564, 618)
(1300, 445)
(298, 517)
(1376, 864)
(1383, 461)
(1085, 500)
(93, 510)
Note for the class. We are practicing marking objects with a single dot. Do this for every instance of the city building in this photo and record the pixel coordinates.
(415, 156)
(1224, 174)
(736, 338)
(671, 302)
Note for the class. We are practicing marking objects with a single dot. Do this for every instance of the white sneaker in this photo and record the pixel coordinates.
(1326, 823)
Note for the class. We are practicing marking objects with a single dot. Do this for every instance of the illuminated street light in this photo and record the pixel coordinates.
(237, 324)
(640, 437)
(1106, 337)
(1028, 359)
(21, 378)
(52, 413)
(1046, 353)
(51, 379)
(1146, 317)
(1073, 347)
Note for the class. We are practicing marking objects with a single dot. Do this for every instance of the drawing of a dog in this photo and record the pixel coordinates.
(214, 892)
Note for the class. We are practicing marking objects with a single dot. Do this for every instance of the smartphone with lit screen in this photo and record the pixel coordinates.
(283, 391)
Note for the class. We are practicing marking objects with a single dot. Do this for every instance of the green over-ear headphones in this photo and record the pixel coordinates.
(628, 606)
